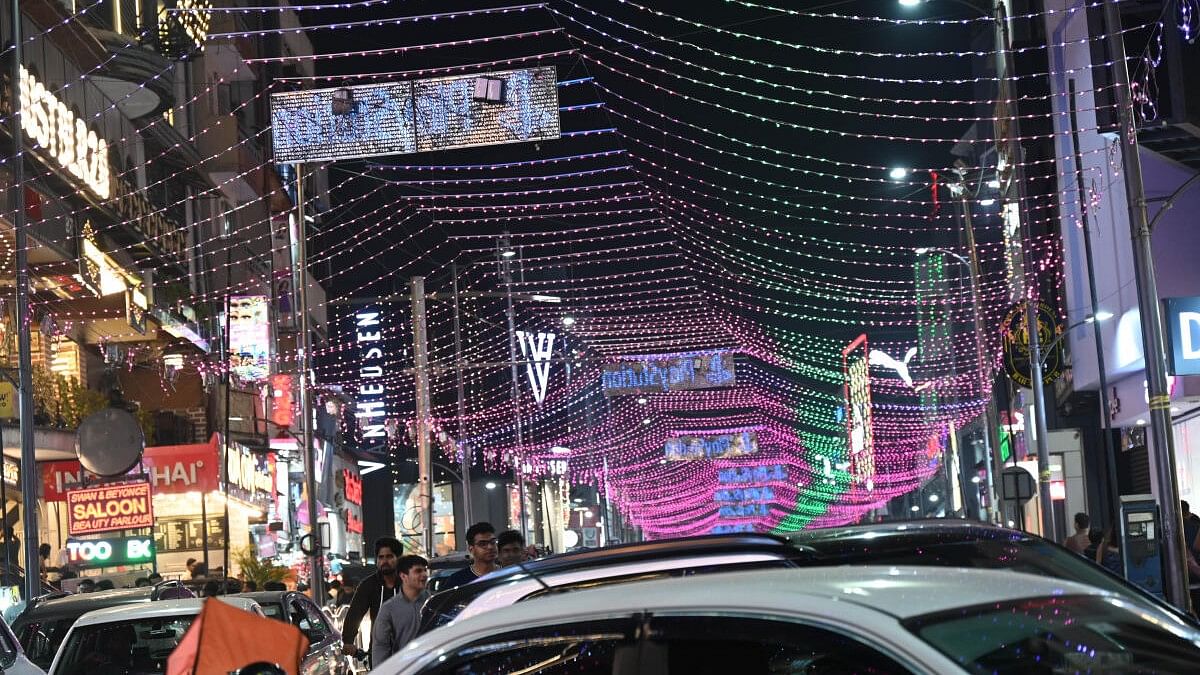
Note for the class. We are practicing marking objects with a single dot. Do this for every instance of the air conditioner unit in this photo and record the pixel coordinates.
(489, 89)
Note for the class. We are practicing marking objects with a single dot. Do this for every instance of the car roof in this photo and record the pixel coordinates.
(157, 609)
(262, 597)
(939, 529)
(648, 550)
(901, 592)
(78, 603)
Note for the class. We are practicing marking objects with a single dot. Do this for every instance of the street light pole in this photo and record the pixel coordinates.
(504, 254)
(463, 446)
(304, 347)
(1162, 436)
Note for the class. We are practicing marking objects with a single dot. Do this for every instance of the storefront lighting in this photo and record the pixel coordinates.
(489, 485)
(587, 514)
(1141, 423)
(994, 183)
(975, 480)
(934, 498)
(914, 508)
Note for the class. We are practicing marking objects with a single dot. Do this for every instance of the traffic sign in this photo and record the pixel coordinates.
(1017, 484)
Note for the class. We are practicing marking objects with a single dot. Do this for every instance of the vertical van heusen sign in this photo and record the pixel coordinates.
(63, 136)
(370, 408)
(859, 430)
(1183, 335)
(106, 508)
(670, 372)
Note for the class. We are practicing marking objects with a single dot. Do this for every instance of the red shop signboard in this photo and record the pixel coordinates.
(172, 469)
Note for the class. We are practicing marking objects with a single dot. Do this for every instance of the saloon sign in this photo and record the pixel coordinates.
(108, 508)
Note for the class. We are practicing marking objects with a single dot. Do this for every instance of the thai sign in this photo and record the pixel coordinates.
(316, 125)
(677, 372)
(712, 446)
(110, 552)
(859, 429)
(109, 507)
(172, 469)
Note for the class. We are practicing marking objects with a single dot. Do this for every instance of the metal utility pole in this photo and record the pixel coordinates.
(518, 465)
(29, 470)
(416, 295)
(991, 418)
(1162, 439)
(1110, 457)
(1015, 192)
(463, 446)
(304, 351)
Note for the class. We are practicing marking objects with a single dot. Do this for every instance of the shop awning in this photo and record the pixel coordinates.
(49, 444)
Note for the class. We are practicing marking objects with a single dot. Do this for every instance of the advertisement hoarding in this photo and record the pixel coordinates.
(109, 507)
(859, 429)
(250, 337)
(316, 125)
(720, 445)
(670, 372)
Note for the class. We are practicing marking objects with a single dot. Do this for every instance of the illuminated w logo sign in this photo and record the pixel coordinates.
(538, 350)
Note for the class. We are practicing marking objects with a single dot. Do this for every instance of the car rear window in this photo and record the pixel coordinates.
(41, 639)
(135, 646)
(1063, 634)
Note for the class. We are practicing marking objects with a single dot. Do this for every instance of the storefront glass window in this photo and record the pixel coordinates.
(172, 535)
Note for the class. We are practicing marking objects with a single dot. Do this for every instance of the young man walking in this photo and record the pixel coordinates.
(481, 542)
(373, 591)
(400, 617)
(1079, 541)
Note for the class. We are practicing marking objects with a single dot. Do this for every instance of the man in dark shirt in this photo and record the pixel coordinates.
(481, 543)
(373, 591)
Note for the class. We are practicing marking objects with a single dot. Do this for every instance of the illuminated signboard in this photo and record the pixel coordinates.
(315, 125)
(370, 408)
(108, 508)
(53, 126)
(249, 337)
(537, 349)
(746, 493)
(859, 430)
(711, 446)
(282, 405)
(353, 487)
(248, 473)
(679, 372)
(110, 552)
(735, 527)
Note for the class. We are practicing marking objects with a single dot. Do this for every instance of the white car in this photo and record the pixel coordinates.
(132, 638)
(850, 619)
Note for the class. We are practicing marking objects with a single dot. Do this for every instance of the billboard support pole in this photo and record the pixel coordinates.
(317, 576)
(421, 378)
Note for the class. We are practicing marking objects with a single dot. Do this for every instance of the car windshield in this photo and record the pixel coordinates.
(1064, 634)
(1006, 551)
(136, 647)
(40, 639)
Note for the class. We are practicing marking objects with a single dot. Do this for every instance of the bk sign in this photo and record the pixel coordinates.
(1183, 335)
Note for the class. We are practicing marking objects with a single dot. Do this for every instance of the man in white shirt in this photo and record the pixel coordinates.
(399, 617)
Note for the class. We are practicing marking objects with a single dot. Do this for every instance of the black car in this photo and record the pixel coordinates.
(959, 543)
(613, 564)
(324, 655)
(44, 623)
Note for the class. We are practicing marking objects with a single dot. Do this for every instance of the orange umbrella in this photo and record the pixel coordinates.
(224, 639)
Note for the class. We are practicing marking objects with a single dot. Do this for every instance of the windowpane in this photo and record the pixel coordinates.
(1057, 634)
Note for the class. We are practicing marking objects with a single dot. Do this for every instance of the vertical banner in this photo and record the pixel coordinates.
(860, 439)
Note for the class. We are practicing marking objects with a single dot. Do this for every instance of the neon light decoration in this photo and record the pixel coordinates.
(681, 372)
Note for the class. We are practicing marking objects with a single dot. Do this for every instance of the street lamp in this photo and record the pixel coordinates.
(898, 173)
